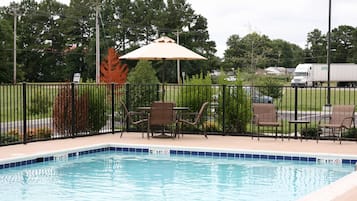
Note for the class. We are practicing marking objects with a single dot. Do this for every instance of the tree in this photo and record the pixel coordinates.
(5, 52)
(342, 44)
(248, 52)
(142, 84)
(111, 69)
(315, 47)
(143, 74)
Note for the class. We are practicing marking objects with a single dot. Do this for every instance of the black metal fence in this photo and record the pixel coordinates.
(33, 112)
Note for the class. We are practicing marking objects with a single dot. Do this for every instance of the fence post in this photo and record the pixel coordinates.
(113, 99)
(295, 111)
(24, 112)
(223, 108)
(73, 110)
(127, 102)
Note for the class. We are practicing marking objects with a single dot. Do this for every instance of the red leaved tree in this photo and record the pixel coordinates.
(111, 69)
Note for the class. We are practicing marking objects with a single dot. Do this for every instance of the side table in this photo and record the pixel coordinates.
(297, 122)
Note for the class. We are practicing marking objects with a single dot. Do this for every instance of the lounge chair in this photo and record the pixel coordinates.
(341, 118)
(265, 115)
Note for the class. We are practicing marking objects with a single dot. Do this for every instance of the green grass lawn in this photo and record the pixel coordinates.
(313, 99)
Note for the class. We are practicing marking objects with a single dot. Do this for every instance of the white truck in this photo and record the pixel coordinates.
(344, 74)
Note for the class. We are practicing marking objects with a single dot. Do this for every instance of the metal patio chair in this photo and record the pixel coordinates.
(340, 119)
(162, 115)
(186, 118)
(133, 118)
(265, 115)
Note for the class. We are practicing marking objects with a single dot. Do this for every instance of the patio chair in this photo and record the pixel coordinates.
(194, 119)
(162, 115)
(341, 118)
(133, 118)
(265, 115)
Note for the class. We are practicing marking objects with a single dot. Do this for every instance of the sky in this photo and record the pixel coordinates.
(289, 20)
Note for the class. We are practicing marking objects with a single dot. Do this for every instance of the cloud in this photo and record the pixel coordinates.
(279, 19)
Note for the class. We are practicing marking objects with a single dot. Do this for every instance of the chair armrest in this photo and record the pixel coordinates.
(345, 119)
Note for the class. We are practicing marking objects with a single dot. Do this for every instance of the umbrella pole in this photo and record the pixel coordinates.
(163, 85)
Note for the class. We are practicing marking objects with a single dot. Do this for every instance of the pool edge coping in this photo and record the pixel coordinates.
(329, 192)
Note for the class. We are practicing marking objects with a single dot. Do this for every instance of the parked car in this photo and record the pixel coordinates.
(257, 97)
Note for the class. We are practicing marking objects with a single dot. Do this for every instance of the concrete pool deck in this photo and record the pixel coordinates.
(344, 189)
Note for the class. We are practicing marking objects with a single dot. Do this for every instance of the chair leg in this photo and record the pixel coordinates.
(204, 131)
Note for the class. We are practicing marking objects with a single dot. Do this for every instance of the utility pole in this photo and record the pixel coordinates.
(14, 10)
(178, 61)
(328, 55)
(97, 47)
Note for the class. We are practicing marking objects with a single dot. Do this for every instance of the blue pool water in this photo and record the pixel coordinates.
(144, 177)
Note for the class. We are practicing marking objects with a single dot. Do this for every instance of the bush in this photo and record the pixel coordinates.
(271, 87)
(11, 136)
(143, 84)
(39, 133)
(62, 112)
(198, 92)
(311, 132)
(235, 104)
(39, 103)
(350, 133)
(96, 97)
(211, 125)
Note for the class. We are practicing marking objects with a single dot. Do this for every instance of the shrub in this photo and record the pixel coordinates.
(39, 103)
(271, 87)
(143, 84)
(62, 112)
(235, 104)
(11, 136)
(95, 96)
(310, 132)
(211, 125)
(39, 133)
(350, 133)
(198, 92)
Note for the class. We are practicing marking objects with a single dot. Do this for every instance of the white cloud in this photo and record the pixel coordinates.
(279, 19)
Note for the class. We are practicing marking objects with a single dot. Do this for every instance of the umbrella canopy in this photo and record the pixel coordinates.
(163, 48)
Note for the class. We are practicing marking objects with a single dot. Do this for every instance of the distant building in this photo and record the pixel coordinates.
(278, 71)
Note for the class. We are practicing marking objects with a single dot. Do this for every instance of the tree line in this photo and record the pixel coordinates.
(55, 40)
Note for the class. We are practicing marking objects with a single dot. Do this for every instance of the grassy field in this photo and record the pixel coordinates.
(313, 99)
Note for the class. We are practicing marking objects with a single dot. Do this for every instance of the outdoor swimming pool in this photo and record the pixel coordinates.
(126, 175)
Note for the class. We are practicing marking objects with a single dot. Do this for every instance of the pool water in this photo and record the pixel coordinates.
(143, 177)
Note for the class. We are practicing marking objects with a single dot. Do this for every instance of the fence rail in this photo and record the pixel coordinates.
(32, 112)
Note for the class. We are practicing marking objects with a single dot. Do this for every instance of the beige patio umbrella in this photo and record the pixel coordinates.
(163, 48)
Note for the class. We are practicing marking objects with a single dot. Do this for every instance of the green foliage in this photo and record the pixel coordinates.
(270, 86)
(65, 114)
(39, 103)
(195, 92)
(310, 132)
(143, 84)
(350, 133)
(143, 73)
(11, 136)
(234, 103)
(96, 96)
